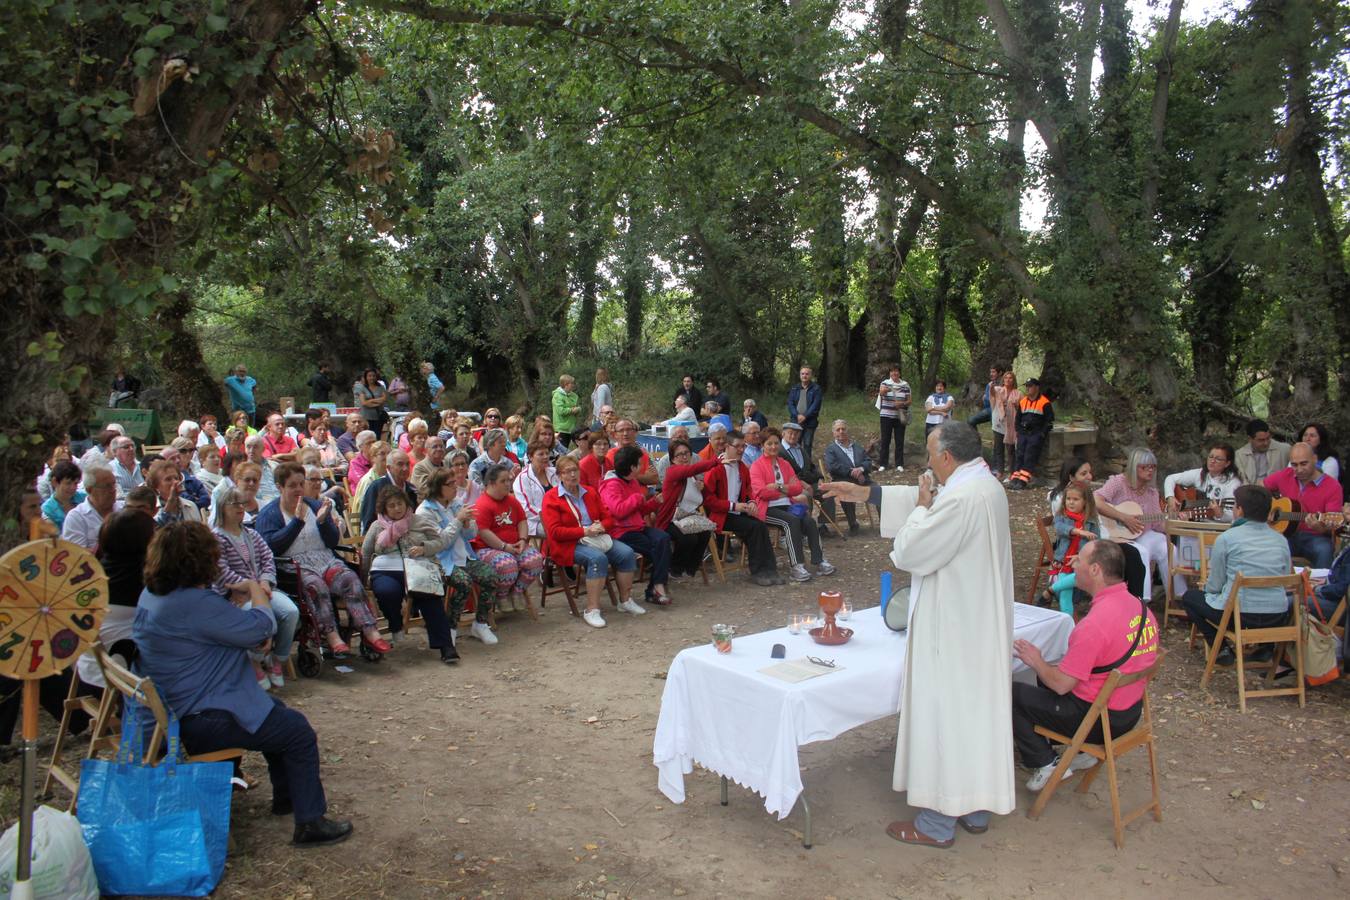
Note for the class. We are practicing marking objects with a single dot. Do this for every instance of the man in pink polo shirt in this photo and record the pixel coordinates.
(1315, 492)
(1117, 633)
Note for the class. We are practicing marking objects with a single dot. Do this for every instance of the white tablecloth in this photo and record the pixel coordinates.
(720, 712)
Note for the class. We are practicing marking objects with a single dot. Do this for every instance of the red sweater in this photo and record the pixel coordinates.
(762, 476)
(563, 527)
(627, 503)
(672, 488)
(715, 499)
(592, 470)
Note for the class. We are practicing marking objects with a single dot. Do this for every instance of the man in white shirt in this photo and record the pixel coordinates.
(84, 522)
(124, 466)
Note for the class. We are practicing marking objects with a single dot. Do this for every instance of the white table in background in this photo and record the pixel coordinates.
(718, 710)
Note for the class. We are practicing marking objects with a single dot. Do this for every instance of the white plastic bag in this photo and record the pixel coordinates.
(62, 868)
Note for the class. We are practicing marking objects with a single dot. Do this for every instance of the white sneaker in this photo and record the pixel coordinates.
(825, 568)
(1041, 776)
(881, 468)
(631, 606)
(482, 632)
(799, 573)
(899, 468)
(593, 618)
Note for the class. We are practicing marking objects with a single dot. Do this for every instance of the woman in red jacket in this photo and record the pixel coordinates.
(627, 503)
(776, 487)
(681, 499)
(594, 466)
(572, 514)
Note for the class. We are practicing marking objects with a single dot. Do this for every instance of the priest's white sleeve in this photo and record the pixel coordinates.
(897, 502)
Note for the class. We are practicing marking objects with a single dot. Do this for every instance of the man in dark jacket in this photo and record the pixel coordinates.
(803, 407)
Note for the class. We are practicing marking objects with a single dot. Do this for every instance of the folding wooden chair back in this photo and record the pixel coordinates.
(1044, 558)
(104, 733)
(1194, 570)
(826, 477)
(1108, 752)
(720, 545)
(1282, 636)
(125, 682)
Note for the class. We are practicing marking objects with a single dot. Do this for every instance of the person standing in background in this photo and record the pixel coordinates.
(566, 409)
(803, 406)
(986, 413)
(243, 391)
(434, 384)
(894, 399)
(601, 396)
(938, 407)
(321, 384)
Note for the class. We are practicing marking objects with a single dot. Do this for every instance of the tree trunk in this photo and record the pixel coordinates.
(886, 255)
(1002, 313)
(191, 389)
(829, 263)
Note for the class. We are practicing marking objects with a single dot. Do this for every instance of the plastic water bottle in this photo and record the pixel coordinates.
(885, 592)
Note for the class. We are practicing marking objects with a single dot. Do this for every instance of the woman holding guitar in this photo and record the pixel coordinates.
(1131, 504)
(1215, 481)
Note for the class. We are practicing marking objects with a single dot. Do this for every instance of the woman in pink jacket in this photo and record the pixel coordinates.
(628, 504)
(778, 490)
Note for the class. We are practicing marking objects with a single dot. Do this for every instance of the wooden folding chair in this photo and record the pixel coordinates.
(720, 545)
(557, 579)
(1044, 559)
(106, 729)
(1111, 749)
(825, 478)
(1207, 540)
(104, 733)
(142, 690)
(1192, 570)
(1282, 636)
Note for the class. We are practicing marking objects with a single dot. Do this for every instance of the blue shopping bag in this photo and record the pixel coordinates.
(155, 830)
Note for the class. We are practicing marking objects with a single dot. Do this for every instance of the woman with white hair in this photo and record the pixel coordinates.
(1137, 485)
(494, 452)
(413, 441)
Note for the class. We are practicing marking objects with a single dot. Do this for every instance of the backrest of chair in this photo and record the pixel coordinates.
(138, 688)
(1116, 680)
(1291, 582)
(1207, 539)
(1043, 524)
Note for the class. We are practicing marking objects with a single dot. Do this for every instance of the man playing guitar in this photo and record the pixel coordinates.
(1315, 492)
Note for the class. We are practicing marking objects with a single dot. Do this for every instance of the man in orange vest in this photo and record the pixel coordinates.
(1035, 418)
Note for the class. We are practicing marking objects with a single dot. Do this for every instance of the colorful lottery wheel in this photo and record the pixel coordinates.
(53, 595)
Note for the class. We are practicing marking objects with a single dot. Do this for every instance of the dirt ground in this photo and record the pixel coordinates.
(526, 771)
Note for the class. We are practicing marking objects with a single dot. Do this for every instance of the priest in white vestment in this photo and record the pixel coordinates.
(954, 750)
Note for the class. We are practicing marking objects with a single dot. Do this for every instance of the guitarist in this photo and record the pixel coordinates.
(1315, 492)
(1215, 481)
(1137, 485)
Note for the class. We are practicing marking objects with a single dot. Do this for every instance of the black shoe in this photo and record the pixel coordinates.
(282, 807)
(1226, 659)
(322, 832)
(1260, 655)
(764, 580)
(449, 654)
(854, 528)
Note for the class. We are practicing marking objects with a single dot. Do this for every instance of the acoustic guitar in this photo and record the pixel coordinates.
(1197, 509)
(1286, 514)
